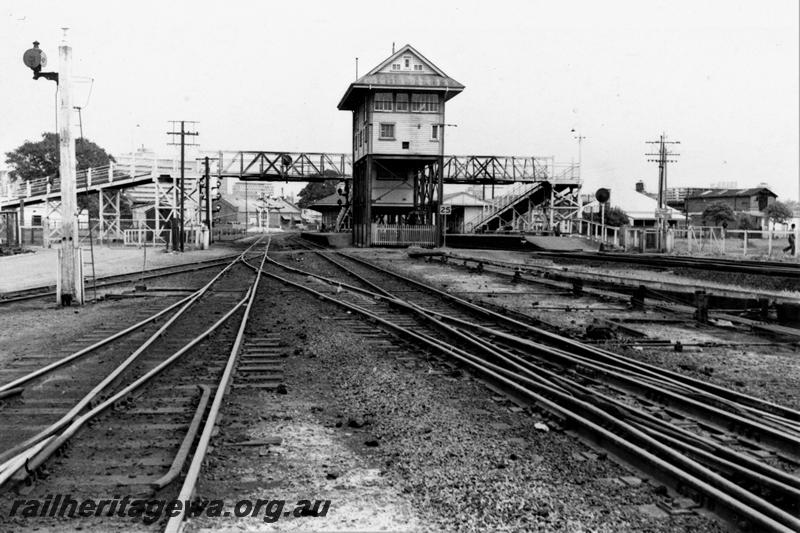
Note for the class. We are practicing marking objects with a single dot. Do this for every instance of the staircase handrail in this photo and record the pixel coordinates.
(502, 202)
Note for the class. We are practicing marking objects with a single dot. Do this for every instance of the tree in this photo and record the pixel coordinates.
(778, 212)
(745, 221)
(718, 213)
(615, 216)
(314, 191)
(40, 159)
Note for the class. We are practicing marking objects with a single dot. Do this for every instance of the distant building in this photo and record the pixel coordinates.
(329, 208)
(259, 212)
(752, 202)
(464, 207)
(637, 204)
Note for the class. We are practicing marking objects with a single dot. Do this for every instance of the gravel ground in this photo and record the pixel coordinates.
(428, 447)
(398, 441)
(689, 277)
(29, 270)
(769, 372)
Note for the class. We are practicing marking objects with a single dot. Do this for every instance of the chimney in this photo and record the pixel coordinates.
(640, 186)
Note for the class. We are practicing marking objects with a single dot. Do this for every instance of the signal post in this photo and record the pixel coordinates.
(70, 266)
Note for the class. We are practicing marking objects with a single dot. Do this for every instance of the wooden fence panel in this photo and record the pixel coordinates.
(403, 235)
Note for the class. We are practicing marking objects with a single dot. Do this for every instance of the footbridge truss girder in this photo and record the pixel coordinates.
(456, 169)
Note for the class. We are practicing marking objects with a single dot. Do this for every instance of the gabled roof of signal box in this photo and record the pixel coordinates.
(379, 78)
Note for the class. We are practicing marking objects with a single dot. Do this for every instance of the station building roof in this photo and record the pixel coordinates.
(421, 74)
(732, 193)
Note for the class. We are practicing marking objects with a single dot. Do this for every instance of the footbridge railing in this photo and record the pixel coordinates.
(129, 172)
(460, 169)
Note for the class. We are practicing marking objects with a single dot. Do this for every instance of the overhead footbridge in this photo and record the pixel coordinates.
(319, 166)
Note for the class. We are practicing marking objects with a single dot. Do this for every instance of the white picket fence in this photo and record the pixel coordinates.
(718, 240)
(403, 235)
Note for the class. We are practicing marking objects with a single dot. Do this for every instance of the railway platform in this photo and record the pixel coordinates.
(38, 268)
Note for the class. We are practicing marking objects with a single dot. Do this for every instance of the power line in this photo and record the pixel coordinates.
(183, 134)
(663, 157)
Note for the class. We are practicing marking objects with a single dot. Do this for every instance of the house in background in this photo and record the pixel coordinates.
(329, 208)
(752, 202)
(637, 204)
(276, 213)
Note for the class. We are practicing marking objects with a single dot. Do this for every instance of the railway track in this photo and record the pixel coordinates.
(142, 398)
(755, 317)
(732, 453)
(106, 282)
(761, 268)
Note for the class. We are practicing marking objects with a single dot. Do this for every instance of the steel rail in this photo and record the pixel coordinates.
(777, 433)
(699, 477)
(595, 352)
(35, 460)
(780, 482)
(769, 477)
(753, 268)
(637, 378)
(757, 473)
(175, 523)
(52, 366)
(153, 273)
(89, 397)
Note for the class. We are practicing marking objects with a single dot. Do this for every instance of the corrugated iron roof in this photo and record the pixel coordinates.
(401, 80)
(727, 193)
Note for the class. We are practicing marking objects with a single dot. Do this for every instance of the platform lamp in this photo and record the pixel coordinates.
(69, 284)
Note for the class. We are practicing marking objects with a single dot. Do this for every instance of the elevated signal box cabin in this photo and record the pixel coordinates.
(398, 142)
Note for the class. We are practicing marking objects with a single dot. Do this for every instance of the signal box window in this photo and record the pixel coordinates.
(424, 103)
(435, 132)
(387, 131)
(401, 102)
(383, 101)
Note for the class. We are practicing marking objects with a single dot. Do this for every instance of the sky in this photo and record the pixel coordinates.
(720, 76)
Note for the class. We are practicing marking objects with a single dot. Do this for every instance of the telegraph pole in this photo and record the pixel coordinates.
(662, 158)
(183, 134)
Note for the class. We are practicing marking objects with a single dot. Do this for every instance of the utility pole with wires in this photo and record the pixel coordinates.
(662, 158)
(183, 144)
(79, 108)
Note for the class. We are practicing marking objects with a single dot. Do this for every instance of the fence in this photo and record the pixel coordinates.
(228, 232)
(8, 229)
(599, 232)
(403, 235)
(696, 240)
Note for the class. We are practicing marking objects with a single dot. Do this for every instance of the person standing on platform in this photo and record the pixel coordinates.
(790, 248)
